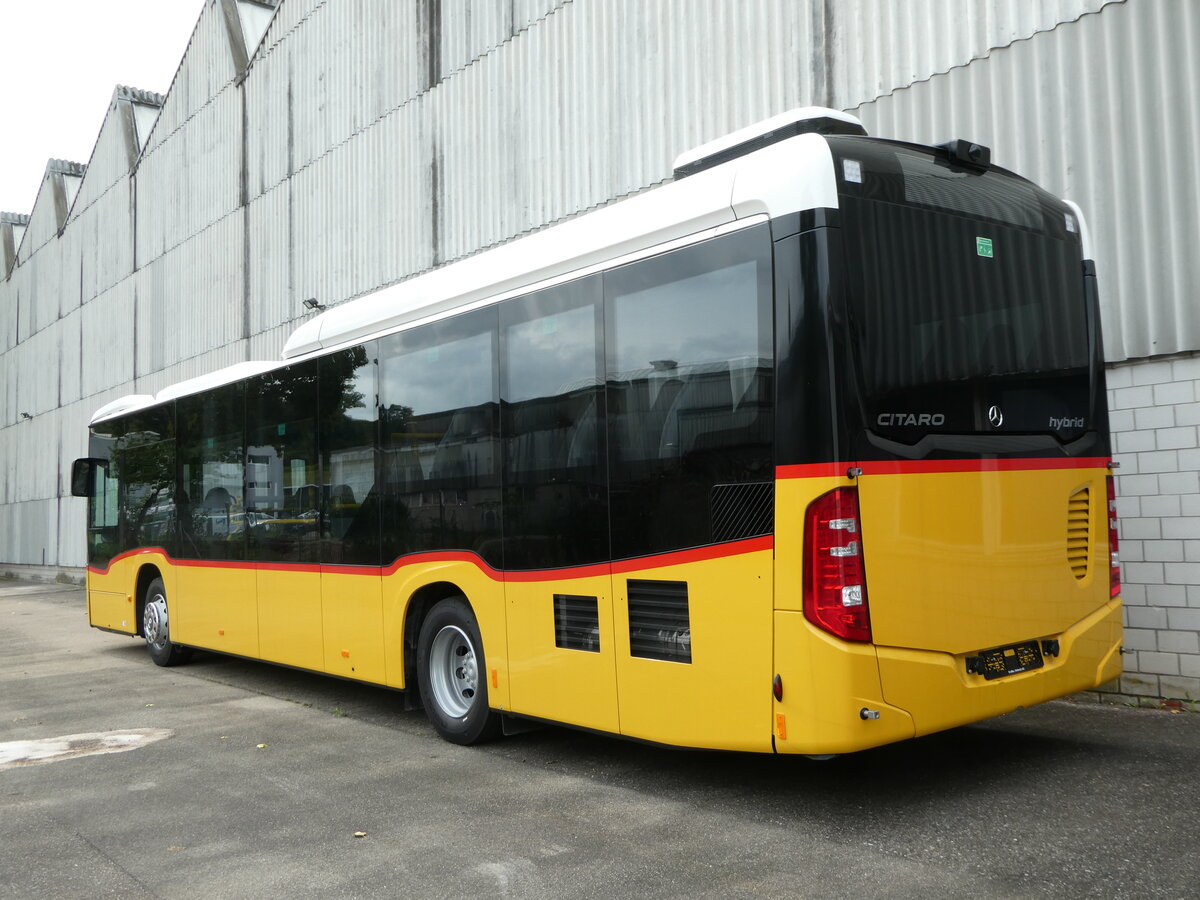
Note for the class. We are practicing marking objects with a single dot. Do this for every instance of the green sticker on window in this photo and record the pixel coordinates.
(983, 246)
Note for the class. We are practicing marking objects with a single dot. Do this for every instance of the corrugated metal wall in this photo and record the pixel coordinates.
(371, 140)
(878, 48)
(1089, 112)
(207, 69)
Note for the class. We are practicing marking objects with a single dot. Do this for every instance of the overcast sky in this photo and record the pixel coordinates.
(61, 60)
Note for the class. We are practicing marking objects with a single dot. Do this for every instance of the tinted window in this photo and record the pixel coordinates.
(964, 291)
(439, 416)
(688, 387)
(104, 514)
(147, 473)
(283, 478)
(134, 505)
(211, 494)
(349, 431)
(555, 504)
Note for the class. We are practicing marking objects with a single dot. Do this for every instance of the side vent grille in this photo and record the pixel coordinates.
(576, 623)
(742, 510)
(1079, 517)
(659, 627)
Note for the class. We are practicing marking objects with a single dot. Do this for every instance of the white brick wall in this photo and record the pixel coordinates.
(1154, 412)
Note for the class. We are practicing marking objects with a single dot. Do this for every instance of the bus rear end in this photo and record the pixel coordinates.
(948, 552)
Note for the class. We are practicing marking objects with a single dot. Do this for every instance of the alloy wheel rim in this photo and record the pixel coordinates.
(154, 621)
(453, 671)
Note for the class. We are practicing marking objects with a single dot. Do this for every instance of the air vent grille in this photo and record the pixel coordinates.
(1079, 517)
(576, 623)
(659, 627)
(742, 510)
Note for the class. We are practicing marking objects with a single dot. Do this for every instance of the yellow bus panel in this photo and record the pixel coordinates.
(215, 607)
(826, 686)
(289, 617)
(576, 685)
(936, 688)
(112, 610)
(722, 698)
(964, 561)
(352, 618)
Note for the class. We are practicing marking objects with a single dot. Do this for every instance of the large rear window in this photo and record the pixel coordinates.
(964, 293)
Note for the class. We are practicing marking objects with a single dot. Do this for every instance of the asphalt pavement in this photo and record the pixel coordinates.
(228, 778)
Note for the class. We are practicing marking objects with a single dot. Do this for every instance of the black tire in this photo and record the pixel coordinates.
(452, 674)
(156, 627)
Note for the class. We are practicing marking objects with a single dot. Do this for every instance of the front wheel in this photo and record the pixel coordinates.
(452, 676)
(156, 627)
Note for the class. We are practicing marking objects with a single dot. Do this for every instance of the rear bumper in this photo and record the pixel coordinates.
(938, 693)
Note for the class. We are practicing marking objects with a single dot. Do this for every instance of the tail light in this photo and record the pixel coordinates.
(835, 586)
(1115, 562)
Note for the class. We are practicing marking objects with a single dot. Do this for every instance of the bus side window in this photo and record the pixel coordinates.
(689, 361)
(283, 506)
(145, 456)
(555, 502)
(440, 447)
(348, 433)
(211, 476)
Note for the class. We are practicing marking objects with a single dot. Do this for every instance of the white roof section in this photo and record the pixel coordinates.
(759, 129)
(228, 375)
(792, 175)
(216, 379)
(127, 404)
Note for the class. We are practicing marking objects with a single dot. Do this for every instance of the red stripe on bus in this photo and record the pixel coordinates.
(938, 466)
(660, 560)
(813, 470)
(140, 551)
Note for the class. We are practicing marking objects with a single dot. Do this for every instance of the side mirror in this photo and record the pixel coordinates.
(83, 476)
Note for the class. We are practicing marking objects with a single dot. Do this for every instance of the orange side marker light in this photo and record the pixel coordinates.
(495, 678)
(345, 654)
(781, 726)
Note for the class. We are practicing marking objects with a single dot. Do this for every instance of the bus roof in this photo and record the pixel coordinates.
(785, 177)
(782, 178)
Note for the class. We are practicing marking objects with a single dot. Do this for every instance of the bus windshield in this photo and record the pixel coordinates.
(966, 311)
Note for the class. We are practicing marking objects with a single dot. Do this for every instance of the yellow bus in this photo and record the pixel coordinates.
(804, 452)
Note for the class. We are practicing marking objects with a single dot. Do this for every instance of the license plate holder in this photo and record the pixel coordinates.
(1002, 661)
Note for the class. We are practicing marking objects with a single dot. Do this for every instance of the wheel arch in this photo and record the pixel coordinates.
(419, 604)
(146, 574)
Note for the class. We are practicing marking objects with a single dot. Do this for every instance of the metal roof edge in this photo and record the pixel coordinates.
(65, 167)
(138, 95)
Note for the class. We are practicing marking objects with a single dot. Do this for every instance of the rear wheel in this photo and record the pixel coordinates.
(452, 675)
(156, 627)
